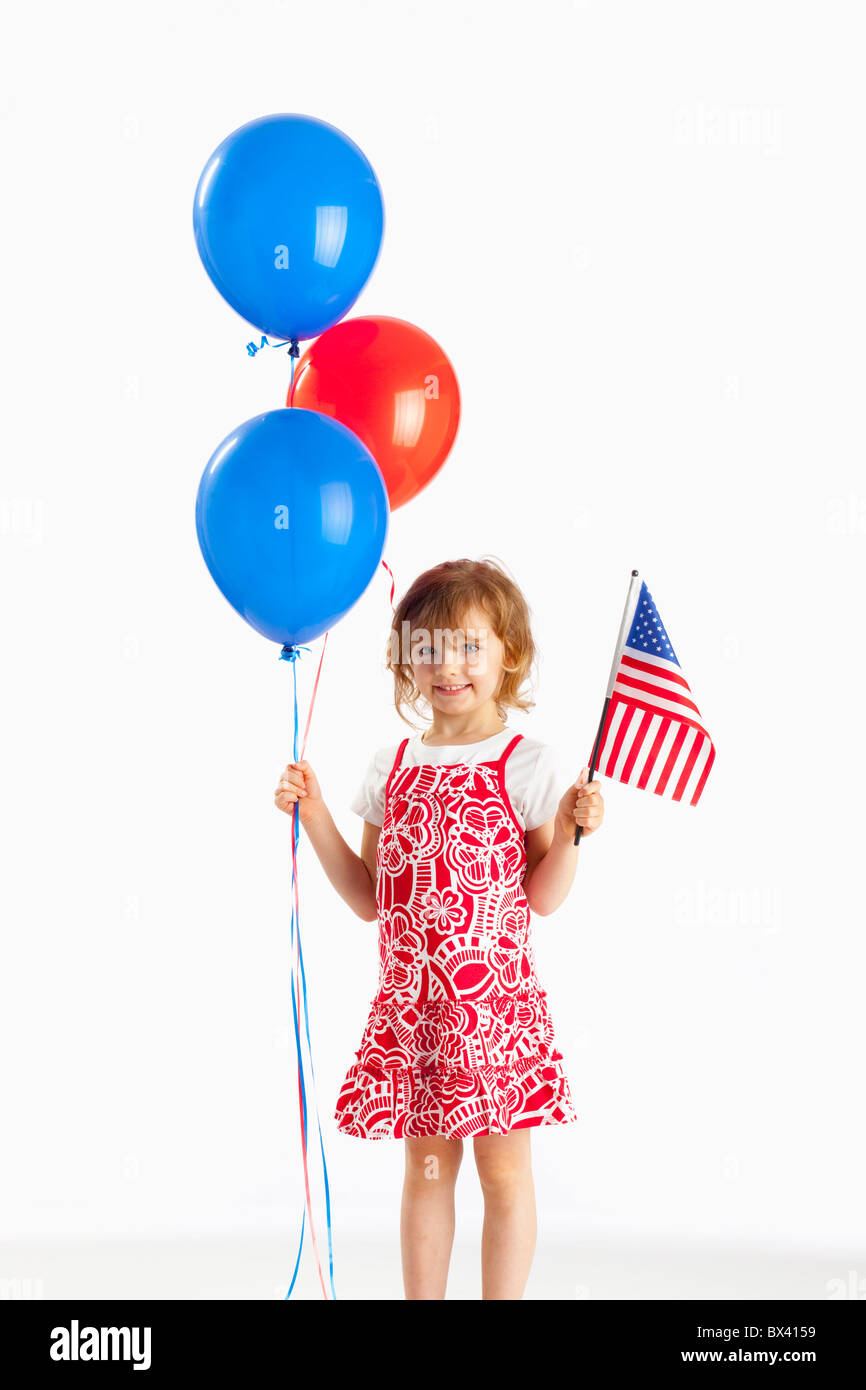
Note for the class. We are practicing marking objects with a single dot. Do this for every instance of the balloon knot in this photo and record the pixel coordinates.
(291, 343)
(292, 653)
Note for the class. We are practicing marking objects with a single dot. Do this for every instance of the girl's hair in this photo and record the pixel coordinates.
(440, 598)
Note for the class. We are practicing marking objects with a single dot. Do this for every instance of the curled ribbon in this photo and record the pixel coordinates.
(291, 653)
(294, 353)
(290, 343)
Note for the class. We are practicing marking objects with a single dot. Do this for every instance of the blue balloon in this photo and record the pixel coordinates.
(288, 220)
(292, 517)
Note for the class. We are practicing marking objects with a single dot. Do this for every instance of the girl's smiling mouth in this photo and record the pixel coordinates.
(451, 689)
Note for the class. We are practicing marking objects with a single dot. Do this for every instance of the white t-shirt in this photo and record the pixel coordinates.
(535, 775)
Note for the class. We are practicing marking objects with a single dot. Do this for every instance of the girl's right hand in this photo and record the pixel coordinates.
(298, 784)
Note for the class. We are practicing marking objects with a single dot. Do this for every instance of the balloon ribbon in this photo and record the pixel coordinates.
(294, 353)
(391, 572)
(299, 1003)
(290, 343)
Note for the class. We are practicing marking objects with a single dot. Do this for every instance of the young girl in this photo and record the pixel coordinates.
(466, 830)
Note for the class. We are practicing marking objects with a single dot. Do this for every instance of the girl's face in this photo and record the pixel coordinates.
(458, 669)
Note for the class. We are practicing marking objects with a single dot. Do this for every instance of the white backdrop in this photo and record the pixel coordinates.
(638, 232)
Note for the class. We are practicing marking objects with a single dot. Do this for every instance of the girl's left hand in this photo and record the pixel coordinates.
(582, 804)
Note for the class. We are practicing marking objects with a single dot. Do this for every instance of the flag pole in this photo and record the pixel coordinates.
(627, 616)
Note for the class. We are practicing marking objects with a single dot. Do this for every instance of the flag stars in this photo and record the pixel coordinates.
(647, 632)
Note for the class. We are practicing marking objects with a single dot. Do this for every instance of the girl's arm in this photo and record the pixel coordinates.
(353, 875)
(551, 854)
(551, 862)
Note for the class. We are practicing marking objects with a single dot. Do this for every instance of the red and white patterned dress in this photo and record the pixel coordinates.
(458, 1040)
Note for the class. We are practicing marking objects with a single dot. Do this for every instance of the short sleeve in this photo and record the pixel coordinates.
(547, 784)
(369, 800)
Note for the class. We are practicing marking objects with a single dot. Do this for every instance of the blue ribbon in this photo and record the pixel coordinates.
(294, 353)
(292, 653)
(290, 343)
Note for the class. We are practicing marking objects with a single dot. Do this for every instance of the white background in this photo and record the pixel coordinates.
(638, 231)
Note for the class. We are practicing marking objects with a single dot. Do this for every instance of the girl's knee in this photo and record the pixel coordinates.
(503, 1164)
(433, 1159)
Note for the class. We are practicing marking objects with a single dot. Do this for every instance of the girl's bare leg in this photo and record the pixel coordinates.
(427, 1214)
(508, 1238)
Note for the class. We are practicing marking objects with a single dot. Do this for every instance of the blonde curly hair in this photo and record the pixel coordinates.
(440, 598)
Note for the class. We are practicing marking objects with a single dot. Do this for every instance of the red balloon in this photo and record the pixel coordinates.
(392, 384)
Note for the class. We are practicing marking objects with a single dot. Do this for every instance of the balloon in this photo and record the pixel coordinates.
(393, 385)
(288, 222)
(292, 518)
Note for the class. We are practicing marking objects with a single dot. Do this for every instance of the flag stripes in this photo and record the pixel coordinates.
(638, 741)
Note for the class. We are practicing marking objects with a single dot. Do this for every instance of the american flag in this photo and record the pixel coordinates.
(653, 736)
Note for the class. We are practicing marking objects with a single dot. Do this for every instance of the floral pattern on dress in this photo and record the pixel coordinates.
(443, 908)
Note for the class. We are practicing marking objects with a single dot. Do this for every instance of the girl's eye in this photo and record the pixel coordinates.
(423, 651)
